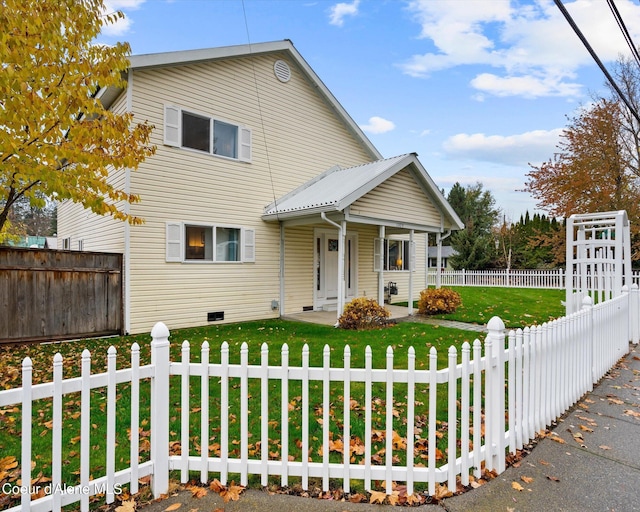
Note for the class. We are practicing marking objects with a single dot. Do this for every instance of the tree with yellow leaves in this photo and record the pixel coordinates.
(57, 140)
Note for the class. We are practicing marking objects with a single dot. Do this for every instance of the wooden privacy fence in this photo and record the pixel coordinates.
(53, 295)
(499, 394)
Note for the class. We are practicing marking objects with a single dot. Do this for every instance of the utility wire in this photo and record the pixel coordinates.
(623, 29)
(597, 59)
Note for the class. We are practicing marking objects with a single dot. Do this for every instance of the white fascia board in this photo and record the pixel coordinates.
(152, 60)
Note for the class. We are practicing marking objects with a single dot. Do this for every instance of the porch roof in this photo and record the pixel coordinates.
(336, 189)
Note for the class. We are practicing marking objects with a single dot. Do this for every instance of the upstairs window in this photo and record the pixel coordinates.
(189, 130)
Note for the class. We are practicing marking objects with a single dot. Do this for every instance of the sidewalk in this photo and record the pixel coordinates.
(599, 471)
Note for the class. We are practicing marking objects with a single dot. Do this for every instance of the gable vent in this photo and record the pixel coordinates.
(282, 71)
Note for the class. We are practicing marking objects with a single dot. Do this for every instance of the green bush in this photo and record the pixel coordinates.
(363, 313)
(434, 301)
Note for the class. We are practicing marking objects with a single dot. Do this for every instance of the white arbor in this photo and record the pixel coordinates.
(598, 257)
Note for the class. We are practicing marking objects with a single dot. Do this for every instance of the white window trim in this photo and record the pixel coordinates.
(173, 133)
(175, 247)
(381, 251)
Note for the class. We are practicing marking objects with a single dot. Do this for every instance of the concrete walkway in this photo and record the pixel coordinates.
(398, 313)
(592, 465)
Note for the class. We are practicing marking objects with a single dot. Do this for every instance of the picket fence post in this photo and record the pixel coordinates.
(495, 396)
(634, 313)
(587, 303)
(160, 409)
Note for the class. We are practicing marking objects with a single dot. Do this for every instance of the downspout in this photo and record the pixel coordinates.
(341, 234)
(439, 239)
(127, 226)
(281, 268)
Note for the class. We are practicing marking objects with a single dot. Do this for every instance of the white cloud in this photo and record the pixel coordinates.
(378, 125)
(121, 26)
(339, 11)
(518, 150)
(530, 46)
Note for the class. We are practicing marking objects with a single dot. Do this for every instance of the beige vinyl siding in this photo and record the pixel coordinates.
(400, 198)
(99, 233)
(299, 269)
(301, 138)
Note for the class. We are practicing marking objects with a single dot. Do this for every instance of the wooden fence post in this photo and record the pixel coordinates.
(160, 409)
(495, 396)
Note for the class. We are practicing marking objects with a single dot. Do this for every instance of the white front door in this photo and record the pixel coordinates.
(326, 264)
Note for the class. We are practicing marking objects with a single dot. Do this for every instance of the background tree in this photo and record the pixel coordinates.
(57, 141)
(594, 170)
(475, 244)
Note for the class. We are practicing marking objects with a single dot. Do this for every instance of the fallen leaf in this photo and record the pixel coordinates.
(377, 497)
(175, 506)
(232, 493)
(442, 491)
(526, 479)
(127, 506)
(553, 478)
(517, 486)
(357, 498)
(604, 447)
(198, 492)
(586, 429)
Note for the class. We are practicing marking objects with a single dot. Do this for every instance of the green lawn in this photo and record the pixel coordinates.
(516, 306)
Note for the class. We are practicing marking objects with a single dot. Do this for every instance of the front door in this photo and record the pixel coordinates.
(326, 264)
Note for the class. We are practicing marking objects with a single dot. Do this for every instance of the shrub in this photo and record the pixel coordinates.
(363, 313)
(441, 300)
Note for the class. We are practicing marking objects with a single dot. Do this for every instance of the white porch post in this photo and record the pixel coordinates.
(411, 270)
(341, 285)
(439, 261)
(381, 233)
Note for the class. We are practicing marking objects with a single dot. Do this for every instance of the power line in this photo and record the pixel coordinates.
(623, 29)
(597, 59)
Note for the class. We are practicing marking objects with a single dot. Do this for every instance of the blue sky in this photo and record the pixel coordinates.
(478, 88)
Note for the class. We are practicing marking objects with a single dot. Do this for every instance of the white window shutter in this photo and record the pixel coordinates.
(244, 154)
(249, 245)
(377, 254)
(172, 117)
(174, 241)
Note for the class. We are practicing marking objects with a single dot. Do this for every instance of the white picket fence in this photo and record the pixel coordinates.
(515, 278)
(548, 368)
(526, 278)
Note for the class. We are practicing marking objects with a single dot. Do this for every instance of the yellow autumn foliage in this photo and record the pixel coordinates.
(57, 140)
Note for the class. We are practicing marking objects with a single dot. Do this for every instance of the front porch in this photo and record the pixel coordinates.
(329, 317)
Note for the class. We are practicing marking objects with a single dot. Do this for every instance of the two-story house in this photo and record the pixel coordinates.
(264, 197)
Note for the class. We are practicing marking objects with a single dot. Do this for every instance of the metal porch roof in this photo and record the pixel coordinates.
(337, 188)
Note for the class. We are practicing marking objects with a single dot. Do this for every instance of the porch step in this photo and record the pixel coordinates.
(329, 307)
